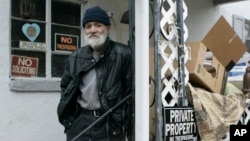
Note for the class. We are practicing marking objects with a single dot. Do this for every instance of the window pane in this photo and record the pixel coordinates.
(22, 68)
(17, 33)
(65, 33)
(58, 62)
(75, 32)
(66, 13)
(39, 9)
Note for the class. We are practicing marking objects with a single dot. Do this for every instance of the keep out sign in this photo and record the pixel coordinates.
(64, 42)
(179, 124)
(24, 66)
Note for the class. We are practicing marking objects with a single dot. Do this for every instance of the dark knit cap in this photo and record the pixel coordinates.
(95, 14)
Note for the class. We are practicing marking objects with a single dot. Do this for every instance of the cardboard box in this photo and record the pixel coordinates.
(225, 44)
(210, 76)
(227, 49)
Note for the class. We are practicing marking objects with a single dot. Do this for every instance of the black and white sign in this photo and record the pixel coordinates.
(179, 124)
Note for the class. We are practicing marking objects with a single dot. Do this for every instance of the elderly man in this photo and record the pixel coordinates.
(97, 76)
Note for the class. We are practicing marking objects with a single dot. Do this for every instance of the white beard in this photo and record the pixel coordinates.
(95, 41)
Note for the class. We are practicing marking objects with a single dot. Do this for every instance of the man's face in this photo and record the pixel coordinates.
(95, 34)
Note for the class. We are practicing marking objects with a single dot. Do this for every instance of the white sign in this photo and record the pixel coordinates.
(32, 45)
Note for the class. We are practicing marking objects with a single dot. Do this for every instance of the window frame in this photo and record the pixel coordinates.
(47, 83)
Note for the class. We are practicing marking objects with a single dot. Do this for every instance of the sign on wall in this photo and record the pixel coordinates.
(179, 124)
(65, 42)
(24, 66)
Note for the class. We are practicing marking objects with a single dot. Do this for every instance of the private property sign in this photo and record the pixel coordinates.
(24, 66)
(179, 124)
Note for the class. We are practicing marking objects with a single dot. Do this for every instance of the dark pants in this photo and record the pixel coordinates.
(99, 132)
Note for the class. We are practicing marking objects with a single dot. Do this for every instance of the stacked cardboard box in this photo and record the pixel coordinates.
(227, 48)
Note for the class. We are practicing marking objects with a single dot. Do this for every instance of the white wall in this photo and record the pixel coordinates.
(202, 15)
(32, 116)
(23, 116)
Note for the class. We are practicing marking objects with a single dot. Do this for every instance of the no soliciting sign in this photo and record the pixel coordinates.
(179, 124)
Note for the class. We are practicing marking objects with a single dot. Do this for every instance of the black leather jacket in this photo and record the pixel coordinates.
(114, 71)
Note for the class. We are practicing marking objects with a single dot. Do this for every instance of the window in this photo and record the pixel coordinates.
(241, 27)
(65, 33)
(41, 40)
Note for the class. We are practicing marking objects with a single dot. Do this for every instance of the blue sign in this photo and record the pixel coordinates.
(31, 31)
